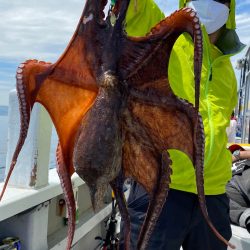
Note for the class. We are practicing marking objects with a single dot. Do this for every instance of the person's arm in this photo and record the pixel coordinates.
(241, 156)
(141, 16)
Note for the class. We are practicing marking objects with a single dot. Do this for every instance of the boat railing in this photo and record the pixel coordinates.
(243, 107)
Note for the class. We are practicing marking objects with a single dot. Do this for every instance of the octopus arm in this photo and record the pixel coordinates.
(65, 180)
(150, 128)
(156, 119)
(66, 104)
(146, 58)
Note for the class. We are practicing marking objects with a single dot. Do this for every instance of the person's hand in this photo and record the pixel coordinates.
(236, 156)
(233, 159)
(240, 155)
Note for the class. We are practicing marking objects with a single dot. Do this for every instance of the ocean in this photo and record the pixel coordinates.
(3, 145)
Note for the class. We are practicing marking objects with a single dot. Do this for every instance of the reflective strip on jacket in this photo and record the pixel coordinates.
(218, 97)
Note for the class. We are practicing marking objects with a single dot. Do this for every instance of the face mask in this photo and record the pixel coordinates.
(212, 14)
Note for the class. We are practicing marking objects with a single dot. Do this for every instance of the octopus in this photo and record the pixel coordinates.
(115, 114)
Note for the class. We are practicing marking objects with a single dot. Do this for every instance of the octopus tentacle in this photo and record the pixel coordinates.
(117, 186)
(98, 47)
(157, 200)
(138, 142)
(200, 188)
(175, 21)
(139, 52)
(199, 161)
(192, 26)
(24, 119)
(156, 99)
(68, 194)
(25, 106)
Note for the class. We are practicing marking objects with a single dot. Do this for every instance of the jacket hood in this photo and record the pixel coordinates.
(229, 42)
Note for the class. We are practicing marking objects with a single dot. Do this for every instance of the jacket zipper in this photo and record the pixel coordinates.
(211, 128)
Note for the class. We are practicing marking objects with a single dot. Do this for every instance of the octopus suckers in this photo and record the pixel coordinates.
(19, 76)
(196, 20)
(22, 96)
(197, 26)
(21, 90)
(21, 65)
(192, 14)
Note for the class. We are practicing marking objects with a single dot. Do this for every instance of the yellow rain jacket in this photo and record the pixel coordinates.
(218, 97)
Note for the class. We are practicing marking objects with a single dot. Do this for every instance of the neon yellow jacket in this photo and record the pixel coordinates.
(218, 97)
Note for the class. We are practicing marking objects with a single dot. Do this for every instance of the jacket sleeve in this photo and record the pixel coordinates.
(142, 16)
(234, 96)
(180, 70)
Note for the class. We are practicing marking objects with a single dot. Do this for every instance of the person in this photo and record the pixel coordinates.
(238, 188)
(181, 222)
(231, 129)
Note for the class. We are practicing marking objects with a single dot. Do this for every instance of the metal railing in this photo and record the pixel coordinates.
(243, 107)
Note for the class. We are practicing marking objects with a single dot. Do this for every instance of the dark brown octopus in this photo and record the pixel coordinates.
(109, 98)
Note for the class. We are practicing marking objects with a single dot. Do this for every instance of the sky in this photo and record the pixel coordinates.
(33, 29)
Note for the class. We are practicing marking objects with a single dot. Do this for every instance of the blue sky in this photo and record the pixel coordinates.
(33, 29)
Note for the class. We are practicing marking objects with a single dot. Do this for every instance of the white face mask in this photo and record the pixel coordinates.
(212, 14)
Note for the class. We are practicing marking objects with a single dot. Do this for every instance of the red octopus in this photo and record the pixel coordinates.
(109, 98)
